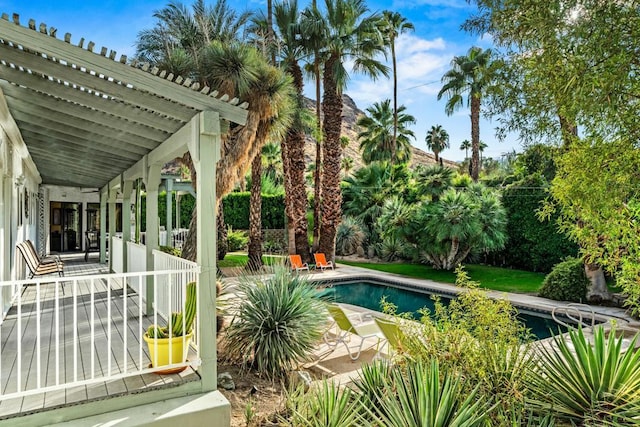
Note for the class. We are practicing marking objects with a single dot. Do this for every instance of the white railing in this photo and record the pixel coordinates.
(178, 236)
(71, 331)
(136, 261)
(171, 301)
(115, 253)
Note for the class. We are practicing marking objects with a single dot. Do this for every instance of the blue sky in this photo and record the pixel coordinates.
(423, 56)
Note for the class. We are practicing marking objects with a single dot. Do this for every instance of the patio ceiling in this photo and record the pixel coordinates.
(86, 117)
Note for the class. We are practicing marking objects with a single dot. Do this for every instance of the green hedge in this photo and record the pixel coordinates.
(532, 244)
(236, 210)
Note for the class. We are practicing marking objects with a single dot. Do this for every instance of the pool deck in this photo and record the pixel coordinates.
(337, 365)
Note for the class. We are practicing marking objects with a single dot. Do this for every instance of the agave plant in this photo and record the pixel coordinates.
(276, 323)
(420, 395)
(325, 406)
(589, 383)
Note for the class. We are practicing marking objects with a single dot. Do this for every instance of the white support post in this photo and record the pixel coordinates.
(5, 228)
(151, 183)
(178, 225)
(169, 227)
(205, 152)
(103, 226)
(127, 189)
(112, 223)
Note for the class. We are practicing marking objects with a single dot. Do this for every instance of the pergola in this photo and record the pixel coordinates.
(88, 119)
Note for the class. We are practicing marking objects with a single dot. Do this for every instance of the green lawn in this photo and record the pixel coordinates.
(499, 279)
(240, 260)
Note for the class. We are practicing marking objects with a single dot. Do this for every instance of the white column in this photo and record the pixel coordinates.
(103, 225)
(169, 201)
(206, 155)
(112, 223)
(151, 182)
(127, 189)
(5, 234)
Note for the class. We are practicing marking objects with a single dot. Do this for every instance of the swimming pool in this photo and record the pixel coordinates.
(366, 293)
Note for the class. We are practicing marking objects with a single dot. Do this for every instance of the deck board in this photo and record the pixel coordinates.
(106, 295)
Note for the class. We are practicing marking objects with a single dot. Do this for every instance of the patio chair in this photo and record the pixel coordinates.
(297, 264)
(392, 334)
(321, 261)
(46, 259)
(362, 329)
(35, 265)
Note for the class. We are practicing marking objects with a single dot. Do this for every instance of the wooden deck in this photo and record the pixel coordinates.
(107, 296)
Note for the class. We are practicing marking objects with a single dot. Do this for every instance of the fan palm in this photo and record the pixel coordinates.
(437, 140)
(394, 24)
(472, 74)
(351, 36)
(376, 138)
(465, 145)
(288, 20)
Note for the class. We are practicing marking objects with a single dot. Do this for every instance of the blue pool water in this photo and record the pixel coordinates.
(368, 295)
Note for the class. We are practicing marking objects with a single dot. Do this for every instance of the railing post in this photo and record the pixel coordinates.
(112, 224)
(205, 151)
(151, 182)
(169, 227)
(103, 225)
(127, 189)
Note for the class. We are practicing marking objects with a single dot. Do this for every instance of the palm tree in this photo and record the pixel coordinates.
(288, 21)
(347, 165)
(394, 24)
(177, 43)
(437, 140)
(472, 74)
(272, 162)
(350, 37)
(465, 145)
(376, 137)
(233, 68)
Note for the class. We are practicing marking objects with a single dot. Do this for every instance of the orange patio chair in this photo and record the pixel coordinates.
(321, 262)
(297, 264)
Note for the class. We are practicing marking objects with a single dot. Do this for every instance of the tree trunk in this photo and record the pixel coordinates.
(598, 291)
(223, 241)
(317, 177)
(395, 102)
(286, 172)
(297, 165)
(475, 137)
(255, 216)
(331, 211)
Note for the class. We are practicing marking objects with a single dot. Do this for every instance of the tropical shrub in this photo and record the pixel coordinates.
(392, 248)
(350, 236)
(326, 406)
(237, 240)
(566, 282)
(460, 223)
(589, 382)
(276, 323)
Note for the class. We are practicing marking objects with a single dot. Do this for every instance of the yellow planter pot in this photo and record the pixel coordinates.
(167, 351)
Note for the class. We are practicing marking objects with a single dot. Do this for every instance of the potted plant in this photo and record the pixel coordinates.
(169, 345)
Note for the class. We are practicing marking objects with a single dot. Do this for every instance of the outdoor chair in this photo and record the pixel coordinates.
(391, 331)
(36, 266)
(362, 329)
(321, 261)
(297, 264)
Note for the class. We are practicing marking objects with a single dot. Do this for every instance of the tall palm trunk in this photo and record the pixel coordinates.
(288, 200)
(317, 178)
(255, 215)
(331, 212)
(395, 103)
(475, 137)
(295, 143)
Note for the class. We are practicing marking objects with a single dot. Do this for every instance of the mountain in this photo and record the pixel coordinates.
(350, 115)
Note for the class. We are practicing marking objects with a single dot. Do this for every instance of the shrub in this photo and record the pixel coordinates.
(392, 248)
(566, 282)
(171, 251)
(532, 244)
(588, 382)
(276, 324)
(236, 211)
(349, 236)
(237, 240)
